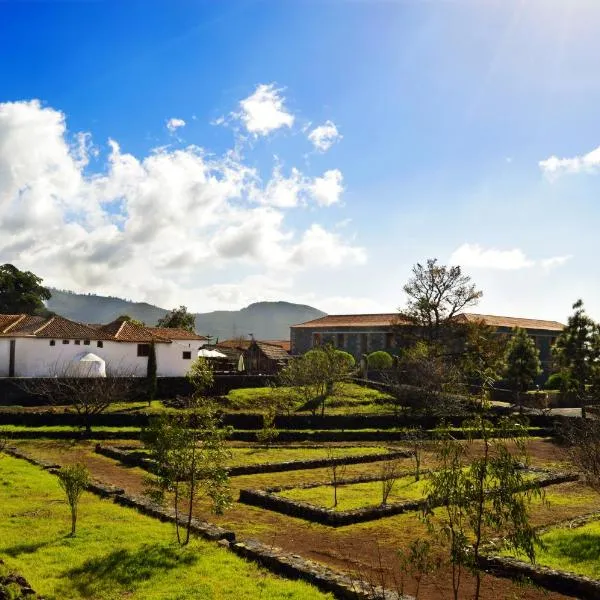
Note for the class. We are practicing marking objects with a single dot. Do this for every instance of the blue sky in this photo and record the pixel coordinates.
(439, 119)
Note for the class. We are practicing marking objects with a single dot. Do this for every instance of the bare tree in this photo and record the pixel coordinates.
(89, 395)
(389, 476)
(436, 294)
(336, 471)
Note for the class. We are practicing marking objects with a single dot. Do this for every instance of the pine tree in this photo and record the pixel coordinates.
(522, 360)
(577, 352)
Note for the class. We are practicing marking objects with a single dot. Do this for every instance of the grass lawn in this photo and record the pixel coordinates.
(347, 395)
(15, 429)
(575, 550)
(254, 455)
(257, 455)
(117, 553)
(359, 495)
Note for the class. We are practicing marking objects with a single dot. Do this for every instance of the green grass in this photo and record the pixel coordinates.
(349, 395)
(54, 428)
(359, 495)
(117, 553)
(575, 550)
(254, 455)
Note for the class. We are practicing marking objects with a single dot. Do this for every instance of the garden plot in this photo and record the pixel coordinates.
(250, 460)
(357, 501)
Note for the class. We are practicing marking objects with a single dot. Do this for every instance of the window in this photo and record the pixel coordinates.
(187, 355)
(100, 344)
(86, 342)
(316, 339)
(53, 342)
(65, 341)
(364, 343)
(77, 342)
(340, 340)
(389, 340)
(143, 349)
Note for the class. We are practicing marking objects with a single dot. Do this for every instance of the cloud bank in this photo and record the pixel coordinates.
(163, 227)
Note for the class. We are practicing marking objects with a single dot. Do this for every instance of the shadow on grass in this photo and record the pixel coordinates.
(578, 548)
(18, 549)
(124, 568)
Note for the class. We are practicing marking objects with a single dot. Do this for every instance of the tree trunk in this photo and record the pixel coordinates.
(73, 520)
(192, 487)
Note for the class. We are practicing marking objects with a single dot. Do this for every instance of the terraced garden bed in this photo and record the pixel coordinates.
(247, 461)
(360, 500)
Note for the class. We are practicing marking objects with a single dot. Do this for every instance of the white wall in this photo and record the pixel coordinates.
(34, 357)
(4, 356)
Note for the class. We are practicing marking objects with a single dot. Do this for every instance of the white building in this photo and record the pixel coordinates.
(45, 347)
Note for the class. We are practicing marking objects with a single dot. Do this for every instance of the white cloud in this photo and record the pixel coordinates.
(327, 189)
(555, 261)
(149, 227)
(474, 256)
(324, 136)
(263, 111)
(174, 124)
(587, 163)
(320, 247)
(298, 189)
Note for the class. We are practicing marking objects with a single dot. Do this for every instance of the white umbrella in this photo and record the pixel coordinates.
(241, 366)
(87, 365)
(211, 353)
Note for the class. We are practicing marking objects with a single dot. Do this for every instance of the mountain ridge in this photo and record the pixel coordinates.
(264, 320)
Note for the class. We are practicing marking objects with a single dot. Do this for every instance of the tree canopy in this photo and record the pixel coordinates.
(436, 294)
(21, 291)
(178, 318)
(522, 360)
(577, 352)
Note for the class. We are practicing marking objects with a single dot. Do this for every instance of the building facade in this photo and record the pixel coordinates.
(362, 334)
(32, 346)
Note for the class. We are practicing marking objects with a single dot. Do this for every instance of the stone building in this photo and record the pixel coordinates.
(362, 334)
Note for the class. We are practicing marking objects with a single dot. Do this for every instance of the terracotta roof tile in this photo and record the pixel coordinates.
(371, 320)
(388, 319)
(498, 321)
(235, 344)
(174, 333)
(7, 321)
(59, 327)
(273, 352)
(285, 344)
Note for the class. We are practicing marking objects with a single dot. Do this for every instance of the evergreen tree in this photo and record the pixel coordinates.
(522, 360)
(178, 318)
(21, 291)
(151, 374)
(577, 352)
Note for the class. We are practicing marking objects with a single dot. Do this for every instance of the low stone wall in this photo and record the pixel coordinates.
(274, 559)
(269, 499)
(569, 584)
(325, 516)
(293, 566)
(138, 459)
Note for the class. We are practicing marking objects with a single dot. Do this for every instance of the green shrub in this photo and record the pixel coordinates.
(556, 381)
(380, 360)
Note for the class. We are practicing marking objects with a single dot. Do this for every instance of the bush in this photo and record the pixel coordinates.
(556, 381)
(380, 360)
(345, 356)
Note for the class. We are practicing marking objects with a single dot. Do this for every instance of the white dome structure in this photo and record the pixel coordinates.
(87, 365)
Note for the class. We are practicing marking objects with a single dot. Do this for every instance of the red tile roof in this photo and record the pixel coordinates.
(285, 344)
(272, 351)
(498, 321)
(174, 333)
(389, 319)
(61, 328)
(372, 320)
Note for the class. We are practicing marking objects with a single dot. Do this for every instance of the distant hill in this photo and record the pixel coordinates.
(266, 320)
